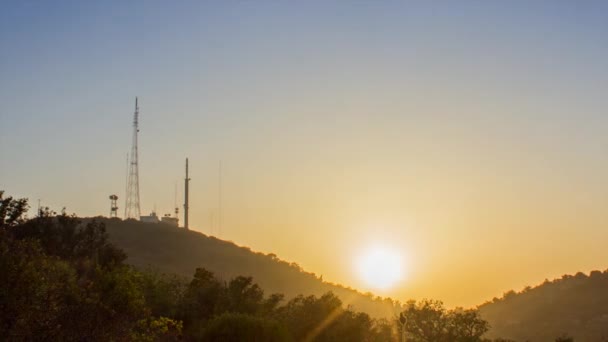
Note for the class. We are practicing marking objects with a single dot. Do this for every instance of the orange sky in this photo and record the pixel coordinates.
(471, 136)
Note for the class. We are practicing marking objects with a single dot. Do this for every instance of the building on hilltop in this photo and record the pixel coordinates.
(170, 220)
(152, 218)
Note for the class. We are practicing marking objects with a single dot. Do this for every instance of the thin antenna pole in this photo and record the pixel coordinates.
(186, 199)
(219, 218)
(211, 222)
(175, 201)
(127, 183)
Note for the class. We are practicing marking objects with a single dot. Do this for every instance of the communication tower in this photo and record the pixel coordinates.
(113, 206)
(132, 209)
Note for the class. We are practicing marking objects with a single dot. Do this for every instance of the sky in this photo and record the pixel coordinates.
(470, 136)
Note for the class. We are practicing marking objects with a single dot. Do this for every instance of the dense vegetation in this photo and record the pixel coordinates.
(576, 305)
(62, 279)
(178, 251)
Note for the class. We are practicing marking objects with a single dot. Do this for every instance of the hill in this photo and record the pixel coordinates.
(573, 305)
(177, 251)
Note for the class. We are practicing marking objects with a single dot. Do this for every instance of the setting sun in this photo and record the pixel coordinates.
(380, 267)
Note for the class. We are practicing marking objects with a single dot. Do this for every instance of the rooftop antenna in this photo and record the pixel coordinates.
(186, 199)
(132, 209)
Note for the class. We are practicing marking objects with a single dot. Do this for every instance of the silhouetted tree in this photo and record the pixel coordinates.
(429, 321)
(237, 327)
(61, 280)
(199, 302)
(242, 295)
(12, 211)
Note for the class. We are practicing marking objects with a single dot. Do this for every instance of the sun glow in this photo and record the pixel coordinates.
(380, 267)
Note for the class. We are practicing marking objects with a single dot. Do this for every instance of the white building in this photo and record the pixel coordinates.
(152, 218)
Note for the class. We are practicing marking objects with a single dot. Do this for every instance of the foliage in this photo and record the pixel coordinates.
(324, 319)
(429, 321)
(12, 211)
(36, 291)
(61, 279)
(177, 251)
(157, 329)
(235, 327)
(163, 293)
(564, 338)
(576, 304)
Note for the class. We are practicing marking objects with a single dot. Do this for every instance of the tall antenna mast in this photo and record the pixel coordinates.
(186, 199)
(132, 209)
(219, 199)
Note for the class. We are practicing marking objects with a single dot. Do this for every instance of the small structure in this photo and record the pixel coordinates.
(152, 218)
(113, 206)
(170, 220)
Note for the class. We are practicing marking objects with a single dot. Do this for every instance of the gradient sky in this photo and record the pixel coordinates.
(471, 135)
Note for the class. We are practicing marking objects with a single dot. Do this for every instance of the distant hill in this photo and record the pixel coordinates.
(178, 251)
(576, 305)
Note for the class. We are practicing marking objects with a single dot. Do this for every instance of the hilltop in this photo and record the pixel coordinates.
(576, 305)
(177, 251)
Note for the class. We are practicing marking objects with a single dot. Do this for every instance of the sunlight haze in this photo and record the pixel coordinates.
(468, 140)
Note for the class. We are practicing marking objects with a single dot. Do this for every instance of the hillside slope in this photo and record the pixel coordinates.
(177, 251)
(574, 305)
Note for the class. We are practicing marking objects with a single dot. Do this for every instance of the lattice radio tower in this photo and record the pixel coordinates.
(132, 209)
(113, 206)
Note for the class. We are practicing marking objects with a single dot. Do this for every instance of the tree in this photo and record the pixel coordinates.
(35, 292)
(324, 319)
(12, 211)
(242, 295)
(465, 326)
(426, 320)
(62, 280)
(199, 303)
(237, 327)
(66, 237)
(383, 331)
(429, 321)
(309, 315)
(163, 293)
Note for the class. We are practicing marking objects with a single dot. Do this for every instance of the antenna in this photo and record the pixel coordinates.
(175, 201)
(126, 182)
(186, 199)
(211, 222)
(113, 206)
(132, 208)
(219, 200)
